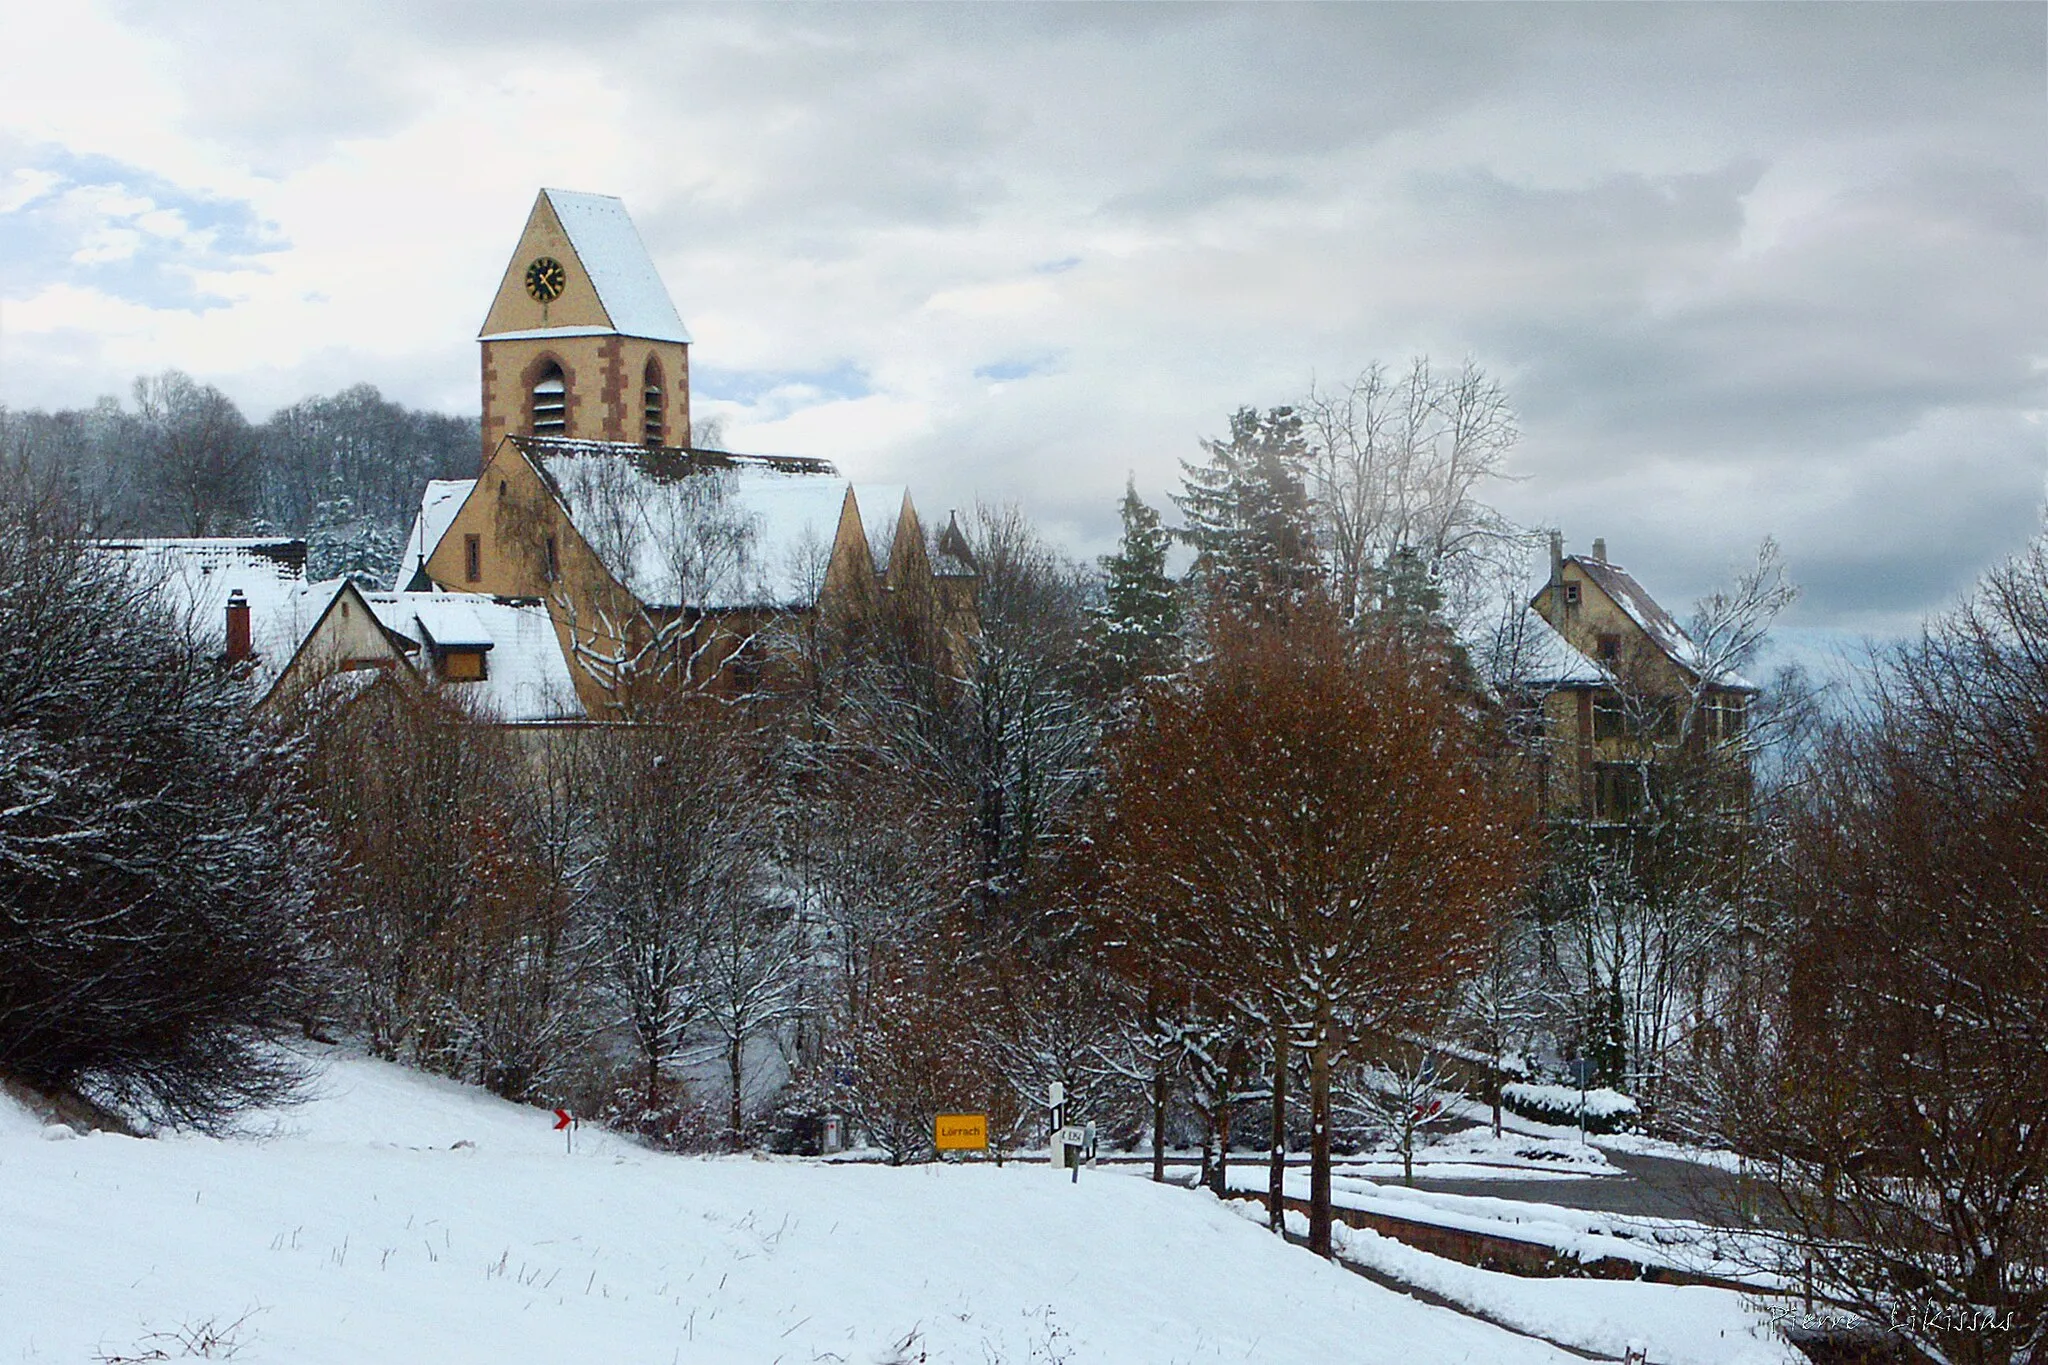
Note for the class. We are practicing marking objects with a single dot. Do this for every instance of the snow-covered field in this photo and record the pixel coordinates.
(401, 1218)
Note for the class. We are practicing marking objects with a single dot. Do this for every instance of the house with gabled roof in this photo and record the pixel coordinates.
(1622, 686)
(250, 600)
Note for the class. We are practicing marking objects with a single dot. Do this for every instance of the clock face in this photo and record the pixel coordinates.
(545, 279)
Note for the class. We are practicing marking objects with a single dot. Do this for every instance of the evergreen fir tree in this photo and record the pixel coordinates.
(1247, 507)
(1136, 631)
(344, 539)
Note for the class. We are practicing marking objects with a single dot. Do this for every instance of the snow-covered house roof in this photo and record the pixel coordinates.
(526, 678)
(1656, 623)
(1530, 653)
(720, 532)
(197, 574)
(611, 253)
(438, 506)
(448, 620)
(198, 578)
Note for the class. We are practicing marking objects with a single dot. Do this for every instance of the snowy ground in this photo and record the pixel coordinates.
(402, 1218)
(1672, 1324)
(1589, 1235)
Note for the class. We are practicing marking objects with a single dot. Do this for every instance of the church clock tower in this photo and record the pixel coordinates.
(582, 340)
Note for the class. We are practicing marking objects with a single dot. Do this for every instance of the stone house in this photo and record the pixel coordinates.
(1620, 687)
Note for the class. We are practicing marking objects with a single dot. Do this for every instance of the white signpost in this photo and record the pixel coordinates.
(1065, 1137)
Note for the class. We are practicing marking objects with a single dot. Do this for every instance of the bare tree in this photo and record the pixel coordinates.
(1901, 1102)
(679, 852)
(1404, 1093)
(1499, 1008)
(454, 926)
(201, 451)
(1398, 462)
(755, 963)
(1033, 737)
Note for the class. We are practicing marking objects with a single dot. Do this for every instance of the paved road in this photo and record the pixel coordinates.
(1654, 1187)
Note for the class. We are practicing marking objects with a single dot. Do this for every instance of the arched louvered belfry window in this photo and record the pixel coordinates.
(654, 412)
(551, 403)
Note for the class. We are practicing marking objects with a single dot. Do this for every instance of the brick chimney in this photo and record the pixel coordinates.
(238, 628)
(1599, 550)
(1557, 579)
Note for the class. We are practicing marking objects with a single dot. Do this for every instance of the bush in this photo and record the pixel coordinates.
(155, 864)
(1605, 1110)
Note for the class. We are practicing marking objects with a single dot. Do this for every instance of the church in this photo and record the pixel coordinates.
(599, 558)
(660, 564)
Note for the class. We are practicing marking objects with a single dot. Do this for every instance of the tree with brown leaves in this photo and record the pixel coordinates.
(1310, 826)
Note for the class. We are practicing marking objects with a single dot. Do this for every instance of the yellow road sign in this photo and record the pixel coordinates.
(961, 1132)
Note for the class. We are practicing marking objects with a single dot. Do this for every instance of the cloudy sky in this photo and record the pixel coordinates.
(1744, 270)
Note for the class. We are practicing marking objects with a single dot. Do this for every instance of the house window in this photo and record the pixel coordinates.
(472, 558)
(462, 665)
(551, 403)
(1725, 717)
(654, 414)
(1609, 648)
(1609, 719)
(743, 667)
(1571, 594)
(1617, 790)
(554, 567)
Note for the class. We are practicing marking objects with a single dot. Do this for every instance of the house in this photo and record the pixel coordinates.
(1621, 690)
(249, 598)
(659, 563)
(500, 657)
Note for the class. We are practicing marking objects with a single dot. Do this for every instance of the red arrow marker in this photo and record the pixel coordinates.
(562, 1119)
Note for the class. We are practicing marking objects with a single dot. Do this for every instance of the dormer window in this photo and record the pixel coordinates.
(460, 665)
(551, 403)
(654, 413)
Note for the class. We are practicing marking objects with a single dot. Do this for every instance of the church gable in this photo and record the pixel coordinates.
(580, 269)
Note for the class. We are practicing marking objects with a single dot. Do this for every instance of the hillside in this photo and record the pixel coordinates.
(398, 1217)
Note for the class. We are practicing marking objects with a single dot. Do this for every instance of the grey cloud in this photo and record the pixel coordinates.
(1258, 192)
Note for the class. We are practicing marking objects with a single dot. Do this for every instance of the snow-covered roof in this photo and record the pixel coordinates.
(197, 575)
(438, 506)
(609, 246)
(1530, 653)
(1664, 632)
(448, 620)
(732, 532)
(526, 678)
